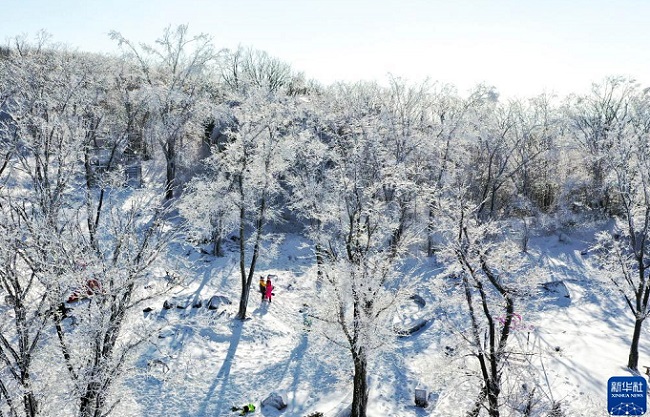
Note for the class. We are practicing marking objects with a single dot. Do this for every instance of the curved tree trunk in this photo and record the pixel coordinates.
(247, 279)
(633, 359)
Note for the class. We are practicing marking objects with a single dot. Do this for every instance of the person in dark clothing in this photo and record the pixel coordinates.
(262, 287)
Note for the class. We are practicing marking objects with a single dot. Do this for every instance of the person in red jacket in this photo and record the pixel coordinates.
(269, 289)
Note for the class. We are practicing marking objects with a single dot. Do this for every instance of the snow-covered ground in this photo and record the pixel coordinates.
(213, 361)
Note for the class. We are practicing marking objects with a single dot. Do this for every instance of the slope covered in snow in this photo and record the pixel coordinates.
(572, 338)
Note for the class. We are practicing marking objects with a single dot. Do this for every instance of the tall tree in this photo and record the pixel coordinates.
(135, 238)
(365, 240)
(247, 69)
(487, 265)
(595, 121)
(41, 151)
(452, 127)
(624, 252)
(247, 171)
(175, 74)
(309, 179)
(539, 126)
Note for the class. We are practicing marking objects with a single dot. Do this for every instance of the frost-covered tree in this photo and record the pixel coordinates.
(102, 138)
(449, 116)
(539, 126)
(24, 288)
(404, 130)
(98, 352)
(624, 252)
(493, 159)
(365, 241)
(597, 120)
(38, 177)
(248, 69)
(309, 180)
(246, 174)
(174, 72)
(490, 269)
(50, 204)
(209, 209)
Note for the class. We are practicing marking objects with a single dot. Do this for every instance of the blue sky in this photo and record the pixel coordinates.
(522, 47)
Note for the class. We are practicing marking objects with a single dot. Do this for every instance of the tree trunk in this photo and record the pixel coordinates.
(218, 247)
(64, 347)
(86, 408)
(360, 389)
(93, 403)
(170, 156)
(633, 360)
(247, 279)
(493, 398)
(430, 228)
(217, 241)
(528, 409)
(319, 251)
(93, 211)
(29, 400)
(243, 299)
(24, 357)
(319, 262)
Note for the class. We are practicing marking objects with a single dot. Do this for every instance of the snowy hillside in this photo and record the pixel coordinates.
(432, 252)
(213, 361)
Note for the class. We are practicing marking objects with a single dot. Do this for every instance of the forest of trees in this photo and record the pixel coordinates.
(238, 144)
